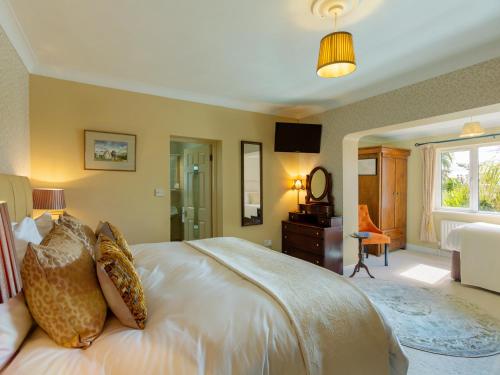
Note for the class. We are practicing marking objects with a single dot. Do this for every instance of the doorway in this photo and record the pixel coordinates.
(191, 189)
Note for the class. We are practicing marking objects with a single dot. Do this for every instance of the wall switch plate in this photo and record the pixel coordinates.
(268, 243)
(159, 192)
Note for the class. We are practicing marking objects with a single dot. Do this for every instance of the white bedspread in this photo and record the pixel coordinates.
(479, 246)
(203, 319)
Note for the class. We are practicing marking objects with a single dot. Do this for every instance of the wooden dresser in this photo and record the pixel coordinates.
(385, 193)
(315, 244)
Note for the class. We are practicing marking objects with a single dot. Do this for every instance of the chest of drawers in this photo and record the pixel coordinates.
(319, 245)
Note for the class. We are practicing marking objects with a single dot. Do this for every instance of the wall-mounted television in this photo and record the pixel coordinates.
(292, 137)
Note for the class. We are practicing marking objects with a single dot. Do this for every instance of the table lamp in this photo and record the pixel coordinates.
(10, 279)
(298, 185)
(51, 200)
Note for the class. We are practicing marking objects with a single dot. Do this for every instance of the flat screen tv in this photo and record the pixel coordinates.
(292, 137)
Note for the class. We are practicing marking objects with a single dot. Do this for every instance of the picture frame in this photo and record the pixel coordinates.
(109, 151)
(367, 167)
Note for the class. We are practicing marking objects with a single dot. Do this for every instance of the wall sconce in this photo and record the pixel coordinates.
(51, 200)
(298, 184)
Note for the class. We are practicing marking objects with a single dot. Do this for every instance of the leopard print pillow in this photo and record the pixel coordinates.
(120, 284)
(62, 291)
(82, 231)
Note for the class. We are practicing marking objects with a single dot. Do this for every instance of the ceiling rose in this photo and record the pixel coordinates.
(325, 8)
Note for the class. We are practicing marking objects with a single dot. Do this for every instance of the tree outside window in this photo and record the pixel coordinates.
(470, 179)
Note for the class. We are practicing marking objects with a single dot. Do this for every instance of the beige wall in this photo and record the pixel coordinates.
(465, 89)
(61, 110)
(14, 122)
(415, 187)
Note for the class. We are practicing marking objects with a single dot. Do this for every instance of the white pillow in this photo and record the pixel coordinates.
(44, 224)
(24, 233)
(15, 323)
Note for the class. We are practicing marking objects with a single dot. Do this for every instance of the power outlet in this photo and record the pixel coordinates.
(268, 243)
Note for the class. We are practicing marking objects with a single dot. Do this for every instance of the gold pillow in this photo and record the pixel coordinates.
(82, 231)
(112, 232)
(61, 289)
(120, 284)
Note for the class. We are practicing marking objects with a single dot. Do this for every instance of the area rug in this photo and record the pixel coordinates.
(429, 320)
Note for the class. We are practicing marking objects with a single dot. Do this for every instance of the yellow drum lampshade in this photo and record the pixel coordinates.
(472, 129)
(336, 55)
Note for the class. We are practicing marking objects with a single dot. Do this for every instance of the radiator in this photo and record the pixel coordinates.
(446, 227)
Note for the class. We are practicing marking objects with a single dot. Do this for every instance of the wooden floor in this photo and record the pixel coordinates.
(422, 363)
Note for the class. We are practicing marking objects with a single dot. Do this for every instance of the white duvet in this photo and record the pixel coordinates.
(203, 318)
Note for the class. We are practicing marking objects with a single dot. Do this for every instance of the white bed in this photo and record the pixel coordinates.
(478, 244)
(203, 319)
(225, 306)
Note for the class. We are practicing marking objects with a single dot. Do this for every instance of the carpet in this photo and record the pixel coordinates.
(429, 320)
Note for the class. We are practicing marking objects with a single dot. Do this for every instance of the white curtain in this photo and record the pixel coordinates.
(427, 230)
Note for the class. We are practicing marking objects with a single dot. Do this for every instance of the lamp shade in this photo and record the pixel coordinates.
(298, 184)
(336, 55)
(10, 279)
(48, 199)
(472, 129)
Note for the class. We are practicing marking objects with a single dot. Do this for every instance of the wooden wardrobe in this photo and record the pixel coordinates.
(385, 193)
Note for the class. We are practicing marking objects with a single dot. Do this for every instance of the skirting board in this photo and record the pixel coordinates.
(428, 250)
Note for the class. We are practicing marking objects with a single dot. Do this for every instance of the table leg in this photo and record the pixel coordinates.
(360, 263)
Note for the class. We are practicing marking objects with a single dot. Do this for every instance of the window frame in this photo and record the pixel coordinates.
(473, 179)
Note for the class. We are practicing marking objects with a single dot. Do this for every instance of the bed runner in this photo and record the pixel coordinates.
(338, 329)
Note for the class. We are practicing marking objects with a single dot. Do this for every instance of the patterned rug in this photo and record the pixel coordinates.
(426, 319)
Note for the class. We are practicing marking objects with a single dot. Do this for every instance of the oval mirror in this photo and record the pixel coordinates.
(318, 183)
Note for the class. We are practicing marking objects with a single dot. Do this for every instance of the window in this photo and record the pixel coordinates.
(469, 179)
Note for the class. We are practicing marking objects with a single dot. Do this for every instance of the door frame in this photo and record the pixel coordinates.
(216, 178)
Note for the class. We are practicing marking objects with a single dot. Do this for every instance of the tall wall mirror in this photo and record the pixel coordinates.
(251, 183)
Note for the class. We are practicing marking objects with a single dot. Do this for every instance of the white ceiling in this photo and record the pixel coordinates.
(490, 122)
(258, 55)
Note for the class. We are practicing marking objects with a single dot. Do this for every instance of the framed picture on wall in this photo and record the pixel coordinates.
(367, 167)
(107, 151)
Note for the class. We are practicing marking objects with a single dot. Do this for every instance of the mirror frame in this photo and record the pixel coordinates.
(327, 192)
(259, 221)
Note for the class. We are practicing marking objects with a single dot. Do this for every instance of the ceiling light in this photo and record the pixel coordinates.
(472, 129)
(336, 50)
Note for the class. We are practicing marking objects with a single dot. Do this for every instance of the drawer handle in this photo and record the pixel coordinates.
(317, 233)
(316, 261)
(286, 237)
(317, 244)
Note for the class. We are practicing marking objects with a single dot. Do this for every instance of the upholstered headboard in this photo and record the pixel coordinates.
(16, 191)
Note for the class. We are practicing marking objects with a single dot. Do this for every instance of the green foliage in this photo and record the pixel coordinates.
(489, 186)
(455, 192)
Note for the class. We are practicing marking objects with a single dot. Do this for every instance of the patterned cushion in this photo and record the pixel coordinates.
(120, 284)
(82, 231)
(62, 290)
(112, 232)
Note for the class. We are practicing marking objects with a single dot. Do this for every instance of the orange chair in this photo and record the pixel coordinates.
(376, 236)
